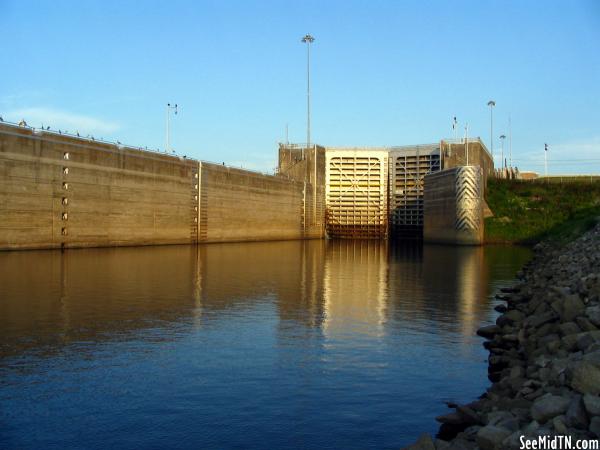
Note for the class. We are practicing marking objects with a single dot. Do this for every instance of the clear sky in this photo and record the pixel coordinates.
(382, 73)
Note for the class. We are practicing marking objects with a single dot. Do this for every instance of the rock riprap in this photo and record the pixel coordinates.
(544, 360)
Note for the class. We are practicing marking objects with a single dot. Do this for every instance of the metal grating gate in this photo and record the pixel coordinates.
(409, 165)
(356, 194)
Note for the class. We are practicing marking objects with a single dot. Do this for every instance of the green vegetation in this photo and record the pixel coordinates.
(526, 212)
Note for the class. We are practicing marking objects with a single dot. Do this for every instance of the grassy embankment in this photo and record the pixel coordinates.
(527, 212)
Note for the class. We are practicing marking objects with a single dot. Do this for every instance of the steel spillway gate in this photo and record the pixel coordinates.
(356, 194)
(408, 167)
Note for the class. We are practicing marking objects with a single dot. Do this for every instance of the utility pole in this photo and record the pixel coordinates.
(169, 108)
(510, 141)
(491, 104)
(502, 137)
(467, 142)
(546, 161)
(455, 128)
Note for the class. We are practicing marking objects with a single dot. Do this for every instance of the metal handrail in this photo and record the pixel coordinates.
(90, 139)
(406, 147)
(297, 146)
(584, 175)
(462, 141)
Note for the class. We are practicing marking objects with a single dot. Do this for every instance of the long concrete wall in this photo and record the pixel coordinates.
(237, 205)
(60, 191)
(453, 209)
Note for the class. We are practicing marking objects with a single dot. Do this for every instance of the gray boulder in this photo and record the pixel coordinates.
(585, 324)
(549, 406)
(441, 445)
(559, 424)
(584, 340)
(569, 342)
(490, 437)
(569, 328)
(541, 319)
(488, 331)
(593, 314)
(595, 426)
(572, 307)
(513, 316)
(576, 414)
(586, 378)
(592, 404)
(423, 443)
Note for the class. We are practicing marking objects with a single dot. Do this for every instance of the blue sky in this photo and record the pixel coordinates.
(383, 73)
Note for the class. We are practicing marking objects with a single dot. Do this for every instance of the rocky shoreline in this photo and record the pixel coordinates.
(544, 360)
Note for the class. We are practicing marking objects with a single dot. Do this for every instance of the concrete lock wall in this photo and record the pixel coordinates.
(296, 162)
(376, 192)
(453, 209)
(238, 205)
(60, 191)
(306, 166)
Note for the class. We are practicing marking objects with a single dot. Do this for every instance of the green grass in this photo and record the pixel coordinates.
(526, 212)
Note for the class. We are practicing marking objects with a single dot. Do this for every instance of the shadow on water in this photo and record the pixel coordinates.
(299, 344)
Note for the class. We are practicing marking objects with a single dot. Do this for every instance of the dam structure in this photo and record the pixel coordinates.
(59, 190)
(379, 192)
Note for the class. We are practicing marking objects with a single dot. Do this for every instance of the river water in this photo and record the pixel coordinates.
(300, 344)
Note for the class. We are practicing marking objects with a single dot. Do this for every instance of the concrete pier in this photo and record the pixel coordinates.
(454, 206)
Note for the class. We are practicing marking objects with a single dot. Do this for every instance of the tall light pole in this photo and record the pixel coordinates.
(502, 137)
(308, 39)
(491, 104)
(169, 109)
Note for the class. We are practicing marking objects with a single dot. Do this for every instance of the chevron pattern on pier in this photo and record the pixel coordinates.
(468, 198)
(453, 206)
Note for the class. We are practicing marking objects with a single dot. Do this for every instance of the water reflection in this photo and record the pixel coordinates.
(448, 286)
(355, 295)
(53, 298)
(268, 333)
(332, 285)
